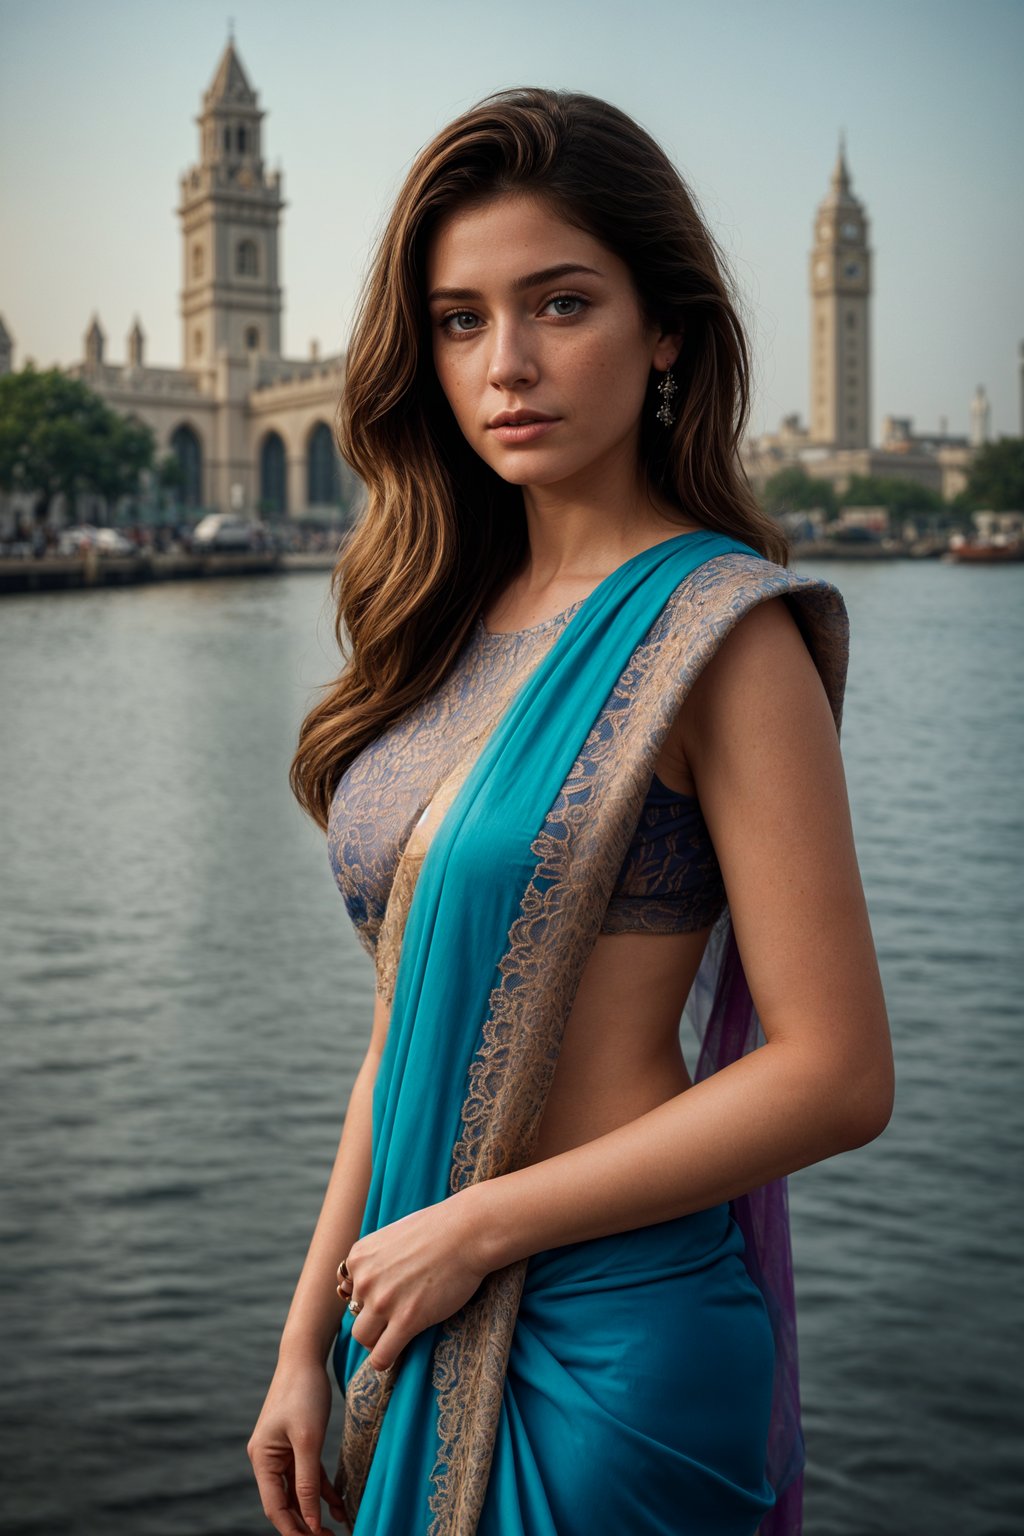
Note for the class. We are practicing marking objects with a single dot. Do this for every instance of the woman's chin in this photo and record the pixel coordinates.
(526, 467)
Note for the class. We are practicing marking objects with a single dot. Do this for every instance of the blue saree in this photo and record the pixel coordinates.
(647, 1379)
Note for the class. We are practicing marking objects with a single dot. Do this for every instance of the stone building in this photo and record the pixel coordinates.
(251, 428)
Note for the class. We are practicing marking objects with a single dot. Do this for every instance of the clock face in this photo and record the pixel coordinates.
(851, 269)
(822, 269)
(850, 231)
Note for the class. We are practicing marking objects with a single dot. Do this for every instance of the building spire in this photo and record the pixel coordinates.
(230, 85)
(841, 174)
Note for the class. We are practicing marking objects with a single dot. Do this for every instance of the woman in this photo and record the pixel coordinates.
(581, 773)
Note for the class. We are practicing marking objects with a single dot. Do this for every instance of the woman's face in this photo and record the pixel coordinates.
(532, 316)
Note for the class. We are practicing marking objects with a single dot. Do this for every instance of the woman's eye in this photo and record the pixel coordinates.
(450, 321)
(567, 304)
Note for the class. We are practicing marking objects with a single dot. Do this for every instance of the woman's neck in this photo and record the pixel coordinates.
(571, 538)
(572, 545)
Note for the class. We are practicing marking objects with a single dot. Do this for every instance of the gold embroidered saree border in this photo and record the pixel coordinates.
(579, 852)
(366, 1399)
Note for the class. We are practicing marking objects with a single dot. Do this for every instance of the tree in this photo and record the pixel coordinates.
(169, 474)
(793, 490)
(57, 436)
(903, 498)
(996, 479)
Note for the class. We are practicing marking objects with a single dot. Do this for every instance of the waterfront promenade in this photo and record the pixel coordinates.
(56, 573)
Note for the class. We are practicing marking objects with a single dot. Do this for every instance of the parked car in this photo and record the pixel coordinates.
(72, 540)
(82, 536)
(110, 542)
(226, 530)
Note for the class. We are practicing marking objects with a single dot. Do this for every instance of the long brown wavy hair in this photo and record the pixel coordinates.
(441, 531)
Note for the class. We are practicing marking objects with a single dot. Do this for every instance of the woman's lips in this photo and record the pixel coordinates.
(523, 431)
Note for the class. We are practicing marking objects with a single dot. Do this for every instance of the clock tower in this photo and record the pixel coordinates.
(840, 278)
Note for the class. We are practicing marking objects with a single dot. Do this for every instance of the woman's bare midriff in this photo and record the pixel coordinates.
(621, 1053)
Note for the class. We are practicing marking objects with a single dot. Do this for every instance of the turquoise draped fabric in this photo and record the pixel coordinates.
(637, 1390)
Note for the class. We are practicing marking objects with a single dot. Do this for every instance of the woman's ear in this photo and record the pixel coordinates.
(669, 346)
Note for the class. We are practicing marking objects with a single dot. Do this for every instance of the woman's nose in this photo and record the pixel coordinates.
(512, 363)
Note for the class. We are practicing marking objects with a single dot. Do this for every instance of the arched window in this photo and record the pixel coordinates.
(241, 141)
(273, 487)
(227, 139)
(197, 343)
(247, 259)
(323, 484)
(197, 261)
(252, 338)
(187, 450)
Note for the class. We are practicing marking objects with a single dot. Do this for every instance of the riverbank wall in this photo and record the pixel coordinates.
(56, 573)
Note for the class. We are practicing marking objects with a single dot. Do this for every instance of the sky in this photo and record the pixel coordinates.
(98, 103)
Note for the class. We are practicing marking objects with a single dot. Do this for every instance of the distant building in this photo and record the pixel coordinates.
(250, 428)
(840, 286)
(874, 519)
(981, 418)
(837, 444)
(999, 525)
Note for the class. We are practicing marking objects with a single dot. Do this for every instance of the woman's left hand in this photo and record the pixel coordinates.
(410, 1274)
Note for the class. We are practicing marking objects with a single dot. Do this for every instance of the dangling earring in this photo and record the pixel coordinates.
(667, 389)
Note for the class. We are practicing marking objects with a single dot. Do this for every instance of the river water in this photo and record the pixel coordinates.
(185, 1006)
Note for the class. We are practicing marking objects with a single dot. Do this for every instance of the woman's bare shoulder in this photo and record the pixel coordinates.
(764, 644)
(762, 670)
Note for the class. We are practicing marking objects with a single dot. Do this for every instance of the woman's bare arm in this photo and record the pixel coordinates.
(287, 1442)
(315, 1312)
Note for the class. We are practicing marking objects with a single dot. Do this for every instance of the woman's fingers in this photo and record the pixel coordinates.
(309, 1478)
(291, 1498)
(368, 1327)
(388, 1346)
(384, 1337)
(274, 1496)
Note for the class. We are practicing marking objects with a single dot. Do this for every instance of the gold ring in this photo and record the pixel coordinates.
(343, 1273)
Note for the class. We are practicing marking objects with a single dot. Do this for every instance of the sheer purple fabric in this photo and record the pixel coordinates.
(724, 1018)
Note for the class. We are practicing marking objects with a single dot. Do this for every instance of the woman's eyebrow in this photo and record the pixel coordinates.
(519, 284)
